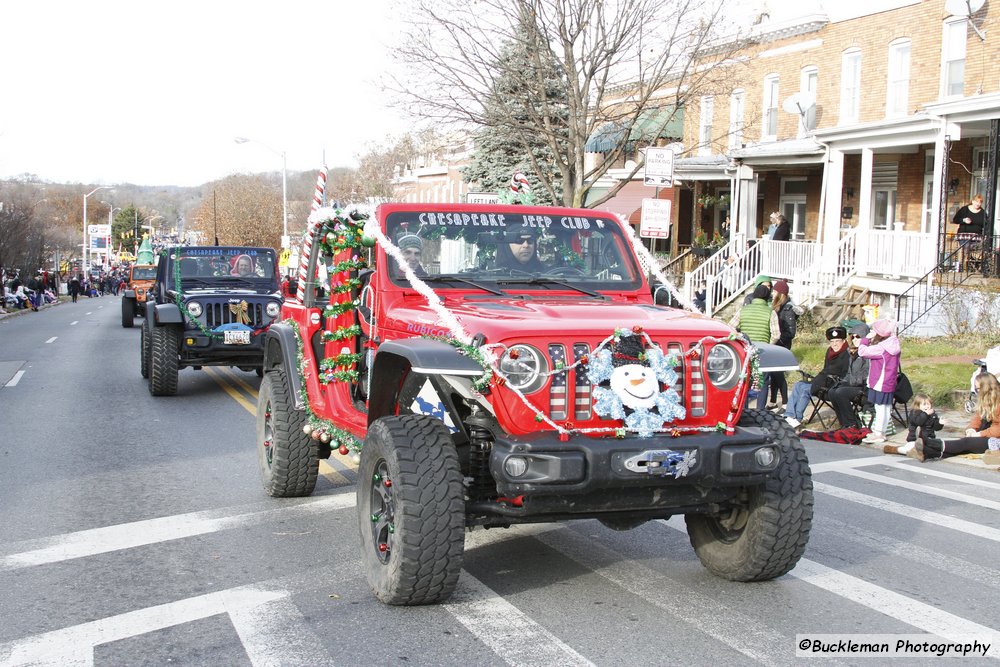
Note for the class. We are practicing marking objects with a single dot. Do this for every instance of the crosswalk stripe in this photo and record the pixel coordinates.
(278, 634)
(518, 640)
(720, 621)
(912, 612)
(907, 610)
(903, 464)
(909, 512)
(879, 542)
(75, 645)
(923, 488)
(152, 531)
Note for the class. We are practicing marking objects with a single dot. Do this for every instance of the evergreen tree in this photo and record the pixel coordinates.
(530, 91)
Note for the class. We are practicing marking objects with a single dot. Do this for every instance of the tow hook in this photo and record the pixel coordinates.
(662, 462)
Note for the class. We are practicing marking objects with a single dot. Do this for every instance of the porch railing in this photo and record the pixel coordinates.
(929, 290)
(897, 254)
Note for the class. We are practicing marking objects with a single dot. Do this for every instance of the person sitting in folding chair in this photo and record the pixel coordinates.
(843, 396)
(834, 368)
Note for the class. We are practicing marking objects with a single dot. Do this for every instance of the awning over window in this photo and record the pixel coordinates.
(610, 135)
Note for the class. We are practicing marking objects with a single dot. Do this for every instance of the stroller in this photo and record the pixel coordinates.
(991, 364)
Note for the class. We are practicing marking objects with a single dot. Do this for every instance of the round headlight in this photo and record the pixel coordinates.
(523, 366)
(273, 308)
(722, 365)
(194, 308)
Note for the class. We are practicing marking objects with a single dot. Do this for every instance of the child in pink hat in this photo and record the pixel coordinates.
(883, 351)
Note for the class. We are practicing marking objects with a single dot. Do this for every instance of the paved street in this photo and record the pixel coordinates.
(136, 532)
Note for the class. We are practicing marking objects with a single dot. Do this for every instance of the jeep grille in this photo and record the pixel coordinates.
(217, 314)
(573, 387)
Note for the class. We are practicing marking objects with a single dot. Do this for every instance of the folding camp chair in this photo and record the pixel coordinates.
(818, 402)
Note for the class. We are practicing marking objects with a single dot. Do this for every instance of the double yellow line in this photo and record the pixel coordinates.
(246, 395)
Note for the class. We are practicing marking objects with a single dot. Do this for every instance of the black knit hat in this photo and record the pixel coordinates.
(762, 292)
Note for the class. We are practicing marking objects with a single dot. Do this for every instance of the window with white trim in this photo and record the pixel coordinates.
(769, 129)
(808, 82)
(705, 125)
(953, 57)
(737, 105)
(898, 84)
(850, 86)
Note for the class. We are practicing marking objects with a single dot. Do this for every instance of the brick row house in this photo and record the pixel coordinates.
(866, 129)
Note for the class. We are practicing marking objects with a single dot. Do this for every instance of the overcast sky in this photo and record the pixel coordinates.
(153, 93)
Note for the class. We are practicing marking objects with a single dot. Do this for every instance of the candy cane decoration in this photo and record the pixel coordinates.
(317, 203)
(519, 183)
(320, 193)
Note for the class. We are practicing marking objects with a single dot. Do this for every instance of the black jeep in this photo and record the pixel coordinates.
(210, 307)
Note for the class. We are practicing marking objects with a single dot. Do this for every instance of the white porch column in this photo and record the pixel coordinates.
(744, 185)
(829, 232)
(865, 195)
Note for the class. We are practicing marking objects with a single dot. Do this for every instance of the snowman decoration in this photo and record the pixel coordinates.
(627, 380)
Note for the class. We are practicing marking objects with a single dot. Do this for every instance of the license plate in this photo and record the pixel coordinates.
(236, 337)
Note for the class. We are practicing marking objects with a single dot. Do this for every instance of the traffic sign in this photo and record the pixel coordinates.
(482, 198)
(655, 222)
(659, 168)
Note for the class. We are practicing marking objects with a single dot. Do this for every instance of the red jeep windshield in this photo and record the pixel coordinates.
(590, 251)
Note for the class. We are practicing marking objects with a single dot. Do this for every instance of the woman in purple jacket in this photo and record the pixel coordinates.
(882, 351)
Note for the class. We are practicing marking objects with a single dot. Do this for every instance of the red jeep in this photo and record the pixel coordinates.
(496, 365)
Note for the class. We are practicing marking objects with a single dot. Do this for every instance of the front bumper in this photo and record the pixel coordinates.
(197, 349)
(590, 475)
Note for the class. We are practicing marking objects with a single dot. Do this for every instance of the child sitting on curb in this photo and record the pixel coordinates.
(923, 423)
(983, 427)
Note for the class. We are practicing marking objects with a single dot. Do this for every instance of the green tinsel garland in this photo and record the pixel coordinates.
(338, 436)
(341, 333)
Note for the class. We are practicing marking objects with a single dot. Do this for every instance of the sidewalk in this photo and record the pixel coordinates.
(955, 421)
(26, 311)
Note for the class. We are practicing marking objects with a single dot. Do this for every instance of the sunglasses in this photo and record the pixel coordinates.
(530, 240)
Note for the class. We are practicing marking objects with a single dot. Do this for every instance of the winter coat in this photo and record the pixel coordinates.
(926, 424)
(786, 324)
(758, 321)
(834, 368)
(857, 372)
(985, 428)
(782, 232)
(884, 363)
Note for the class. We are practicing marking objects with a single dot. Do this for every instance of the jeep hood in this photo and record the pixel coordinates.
(500, 319)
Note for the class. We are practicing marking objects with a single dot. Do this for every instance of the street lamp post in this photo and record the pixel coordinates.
(284, 186)
(86, 249)
(111, 212)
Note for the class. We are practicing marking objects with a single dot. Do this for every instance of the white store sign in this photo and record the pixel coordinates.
(655, 223)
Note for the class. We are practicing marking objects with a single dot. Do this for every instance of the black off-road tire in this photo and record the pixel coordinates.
(164, 345)
(411, 510)
(767, 537)
(288, 457)
(128, 312)
(144, 346)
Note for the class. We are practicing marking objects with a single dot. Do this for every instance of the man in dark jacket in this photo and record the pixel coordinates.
(843, 394)
(834, 368)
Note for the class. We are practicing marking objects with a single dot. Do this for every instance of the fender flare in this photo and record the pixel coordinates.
(167, 313)
(281, 349)
(398, 358)
(774, 358)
